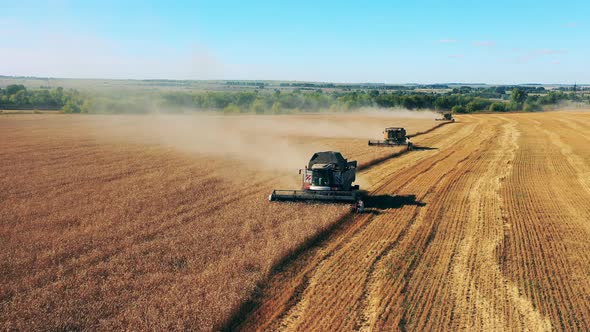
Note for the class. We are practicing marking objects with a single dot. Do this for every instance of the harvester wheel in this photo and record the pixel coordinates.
(358, 206)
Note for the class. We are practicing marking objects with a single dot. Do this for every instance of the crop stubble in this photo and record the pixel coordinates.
(496, 238)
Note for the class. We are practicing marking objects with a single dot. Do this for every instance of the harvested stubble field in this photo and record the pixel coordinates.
(160, 222)
(487, 231)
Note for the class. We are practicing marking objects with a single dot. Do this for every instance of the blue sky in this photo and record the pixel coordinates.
(343, 41)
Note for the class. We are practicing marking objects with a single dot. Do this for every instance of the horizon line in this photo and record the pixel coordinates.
(280, 80)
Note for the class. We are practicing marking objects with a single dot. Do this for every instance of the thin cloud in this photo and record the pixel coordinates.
(548, 51)
(555, 62)
(485, 43)
(71, 54)
(456, 56)
(524, 59)
(572, 25)
(543, 53)
(447, 41)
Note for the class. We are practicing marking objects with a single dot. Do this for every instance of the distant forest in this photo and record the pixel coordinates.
(457, 100)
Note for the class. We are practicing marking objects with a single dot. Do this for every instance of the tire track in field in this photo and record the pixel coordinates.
(546, 252)
(412, 304)
(415, 173)
(427, 183)
(500, 244)
(266, 316)
(370, 307)
(358, 238)
(477, 279)
(368, 315)
(397, 302)
(371, 311)
(383, 310)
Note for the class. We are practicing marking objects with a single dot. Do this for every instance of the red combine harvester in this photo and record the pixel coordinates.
(328, 177)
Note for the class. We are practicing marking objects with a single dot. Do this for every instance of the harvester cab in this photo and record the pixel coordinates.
(328, 177)
(393, 136)
(322, 177)
(448, 116)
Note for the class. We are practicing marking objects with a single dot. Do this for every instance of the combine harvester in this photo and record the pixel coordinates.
(328, 177)
(394, 136)
(446, 117)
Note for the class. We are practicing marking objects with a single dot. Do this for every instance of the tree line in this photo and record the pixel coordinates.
(17, 96)
(458, 100)
(469, 101)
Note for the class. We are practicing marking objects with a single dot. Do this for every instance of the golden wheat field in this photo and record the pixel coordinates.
(163, 222)
(139, 222)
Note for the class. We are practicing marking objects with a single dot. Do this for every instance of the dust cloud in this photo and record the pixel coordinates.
(567, 105)
(364, 124)
(280, 142)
